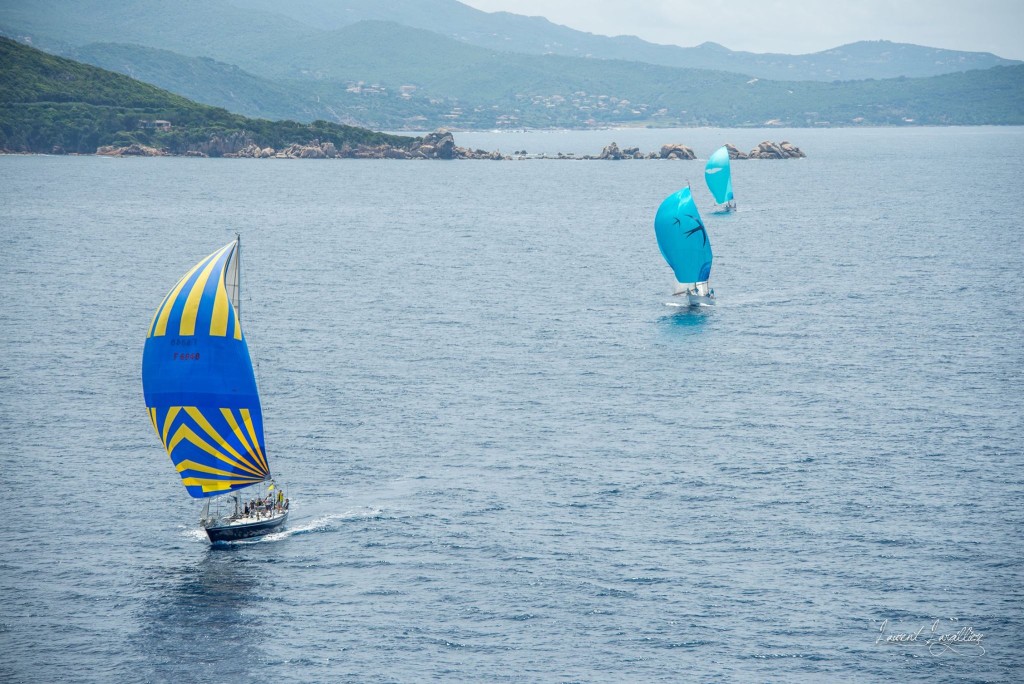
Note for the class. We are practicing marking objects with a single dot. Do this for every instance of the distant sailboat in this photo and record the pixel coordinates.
(718, 176)
(685, 244)
(201, 395)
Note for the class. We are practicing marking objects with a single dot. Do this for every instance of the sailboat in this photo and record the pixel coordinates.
(202, 399)
(685, 244)
(718, 176)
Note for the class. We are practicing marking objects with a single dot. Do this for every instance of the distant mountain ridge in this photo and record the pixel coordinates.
(385, 75)
(509, 32)
(199, 28)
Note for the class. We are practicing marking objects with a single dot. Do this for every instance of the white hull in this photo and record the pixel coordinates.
(726, 208)
(691, 301)
(700, 300)
(694, 294)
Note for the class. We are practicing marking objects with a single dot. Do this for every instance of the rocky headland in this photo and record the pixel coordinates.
(437, 145)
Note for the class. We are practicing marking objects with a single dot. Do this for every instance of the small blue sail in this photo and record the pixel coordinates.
(682, 238)
(198, 382)
(718, 175)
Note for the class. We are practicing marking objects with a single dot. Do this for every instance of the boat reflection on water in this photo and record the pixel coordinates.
(205, 623)
(687, 317)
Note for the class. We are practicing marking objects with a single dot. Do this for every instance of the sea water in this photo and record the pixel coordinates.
(508, 460)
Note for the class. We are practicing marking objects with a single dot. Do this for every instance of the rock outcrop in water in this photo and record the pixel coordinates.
(437, 145)
(771, 150)
(734, 153)
(677, 151)
(611, 152)
(441, 145)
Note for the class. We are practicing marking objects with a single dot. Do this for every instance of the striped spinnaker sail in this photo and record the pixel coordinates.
(198, 381)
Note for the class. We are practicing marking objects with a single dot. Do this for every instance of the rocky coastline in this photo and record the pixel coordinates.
(437, 145)
(765, 150)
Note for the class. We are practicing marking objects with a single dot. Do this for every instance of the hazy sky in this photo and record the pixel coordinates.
(791, 26)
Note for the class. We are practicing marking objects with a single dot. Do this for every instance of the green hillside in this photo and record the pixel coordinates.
(49, 103)
(206, 80)
(224, 85)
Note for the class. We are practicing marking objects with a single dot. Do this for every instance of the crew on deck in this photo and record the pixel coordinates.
(266, 507)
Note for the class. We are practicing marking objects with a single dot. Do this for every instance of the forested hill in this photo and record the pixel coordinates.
(51, 104)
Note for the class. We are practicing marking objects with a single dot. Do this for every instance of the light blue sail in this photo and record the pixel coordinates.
(682, 238)
(199, 385)
(718, 175)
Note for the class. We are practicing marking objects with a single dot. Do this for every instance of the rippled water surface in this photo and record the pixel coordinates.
(509, 460)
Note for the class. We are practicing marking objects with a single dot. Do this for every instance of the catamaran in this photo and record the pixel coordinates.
(685, 244)
(718, 176)
(202, 399)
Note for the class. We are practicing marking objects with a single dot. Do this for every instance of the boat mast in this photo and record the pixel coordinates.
(238, 275)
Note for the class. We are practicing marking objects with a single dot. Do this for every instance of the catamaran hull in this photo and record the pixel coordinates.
(245, 531)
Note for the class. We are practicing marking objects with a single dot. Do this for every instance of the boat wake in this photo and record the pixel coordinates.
(324, 523)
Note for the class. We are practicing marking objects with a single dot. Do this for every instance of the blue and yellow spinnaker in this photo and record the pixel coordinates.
(198, 381)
